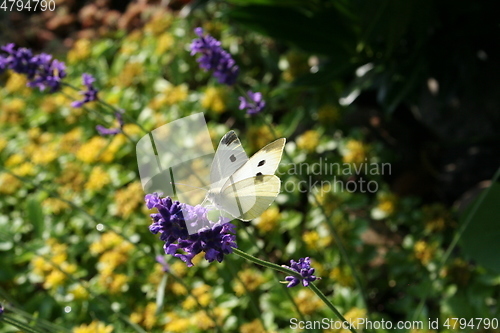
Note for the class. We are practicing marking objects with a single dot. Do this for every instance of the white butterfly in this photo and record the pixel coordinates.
(240, 186)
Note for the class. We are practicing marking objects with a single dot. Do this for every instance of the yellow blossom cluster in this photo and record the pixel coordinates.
(314, 241)
(307, 301)
(200, 294)
(53, 267)
(424, 251)
(269, 219)
(94, 327)
(114, 251)
(214, 99)
(145, 316)
(308, 141)
(98, 179)
(128, 199)
(248, 280)
(355, 152)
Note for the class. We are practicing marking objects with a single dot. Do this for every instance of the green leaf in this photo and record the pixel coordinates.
(480, 239)
(35, 216)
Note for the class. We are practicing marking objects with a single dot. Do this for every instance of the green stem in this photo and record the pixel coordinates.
(320, 294)
(455, 240)
(16, 323)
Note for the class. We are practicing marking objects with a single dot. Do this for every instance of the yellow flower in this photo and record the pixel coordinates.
(25, 169)
(328, 114)
(342, 276)
(387, 203)
(179, 268)
(16, 83)
(107, 240)
(159, 23)
(49, 104)
(55, 205)
(353, 315)
(308, 141)
(269, 219)
(94, 327)
(132, 130)
(175, 94)
(259, 137)
(98, 179)
(40, 266)
(130, 73)
(356, 152)
(424, 251)
(214, 99)
(178, 289)
(14, 160)
(81, 50)
(203, 321)
(201, 293)
(9, 184)
(54, 279)
(177, 324)
(109, 153)
(71, 178)
(12, 111)
(248, 280)
(118, 281)
(314, 241)
(307, 301)
(45, 154)
(164, 43)
(254, 326)
(128, 199)
(70, 141)
(79, 292)
(91, 151)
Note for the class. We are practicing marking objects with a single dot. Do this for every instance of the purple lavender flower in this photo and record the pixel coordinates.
(42, 71)
(253, 102)
(303, 267)
(215, 58)
(112, 131)
(161, 260)
(216, 239)
(90, 94)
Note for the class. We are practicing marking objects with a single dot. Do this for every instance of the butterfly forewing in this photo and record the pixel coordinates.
(263, 162)
(229, 157)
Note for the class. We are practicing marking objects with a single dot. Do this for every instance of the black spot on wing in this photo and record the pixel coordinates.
(229, 138)
(261, 163)
(232, 158)
(259, 178)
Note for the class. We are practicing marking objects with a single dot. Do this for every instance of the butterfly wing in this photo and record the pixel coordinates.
(263, 162)
(249, 198)
(228, 158)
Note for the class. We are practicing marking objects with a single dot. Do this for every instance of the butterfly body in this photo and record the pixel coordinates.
(240, 186)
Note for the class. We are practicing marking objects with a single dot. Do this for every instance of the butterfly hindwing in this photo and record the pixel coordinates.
(249, 198)
(229, 157)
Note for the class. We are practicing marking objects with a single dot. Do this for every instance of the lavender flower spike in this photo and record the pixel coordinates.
(303, 267)
(42, 71)
(90, 94)
(253, 102)
(214, 58)
(216, 239)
